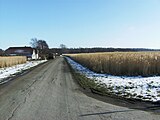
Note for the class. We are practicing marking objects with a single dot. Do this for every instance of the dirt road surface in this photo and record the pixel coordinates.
(49, 92)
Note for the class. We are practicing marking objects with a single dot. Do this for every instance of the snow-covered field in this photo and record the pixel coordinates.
(144, 88)
(11, 71)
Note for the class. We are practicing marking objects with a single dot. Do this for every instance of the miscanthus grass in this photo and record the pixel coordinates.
(11, 60)
(121, 63)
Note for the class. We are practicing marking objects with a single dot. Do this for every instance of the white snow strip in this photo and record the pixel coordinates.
(144, 88)
(11, 71)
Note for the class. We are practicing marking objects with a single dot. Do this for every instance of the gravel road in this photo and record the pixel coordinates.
(49, 92)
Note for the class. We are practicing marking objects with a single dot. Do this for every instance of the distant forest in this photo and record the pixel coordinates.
(89, 50)
(93, 50)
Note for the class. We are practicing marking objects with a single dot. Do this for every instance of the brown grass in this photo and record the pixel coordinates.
(11, 60)
(121, 63)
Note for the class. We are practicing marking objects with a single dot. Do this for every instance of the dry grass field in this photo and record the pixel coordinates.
(121, 63)
(11, 60)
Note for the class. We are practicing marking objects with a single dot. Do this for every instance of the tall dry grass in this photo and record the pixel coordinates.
(11, 60)
(121, 63)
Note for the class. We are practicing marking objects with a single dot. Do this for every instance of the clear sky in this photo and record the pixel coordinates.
(81, 23)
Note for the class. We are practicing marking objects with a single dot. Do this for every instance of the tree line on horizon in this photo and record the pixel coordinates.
(45, 51)
(98, 49)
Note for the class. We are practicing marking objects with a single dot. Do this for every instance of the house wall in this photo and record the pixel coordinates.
(35, 55)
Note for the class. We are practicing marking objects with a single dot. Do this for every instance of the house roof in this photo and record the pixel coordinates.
(25, 51)
(20, 47)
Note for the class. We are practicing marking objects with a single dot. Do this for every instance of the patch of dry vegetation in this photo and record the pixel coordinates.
(11, 60)
(121, 63)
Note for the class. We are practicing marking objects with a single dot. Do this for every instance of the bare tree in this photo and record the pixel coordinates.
(41, 46)
(34, 42)
(1, 52)
(62, 46)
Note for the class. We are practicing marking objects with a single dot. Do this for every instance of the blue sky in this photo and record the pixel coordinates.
(81, 23)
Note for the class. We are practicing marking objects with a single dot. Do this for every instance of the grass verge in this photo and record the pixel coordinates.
(88, 84)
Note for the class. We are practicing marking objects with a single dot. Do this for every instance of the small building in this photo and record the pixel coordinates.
(30, 53)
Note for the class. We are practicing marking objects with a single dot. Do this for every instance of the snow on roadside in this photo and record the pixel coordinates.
(11, 71)
(144, 88)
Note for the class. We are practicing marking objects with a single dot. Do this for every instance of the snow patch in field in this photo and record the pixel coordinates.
(144, 88)
(11, 71)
